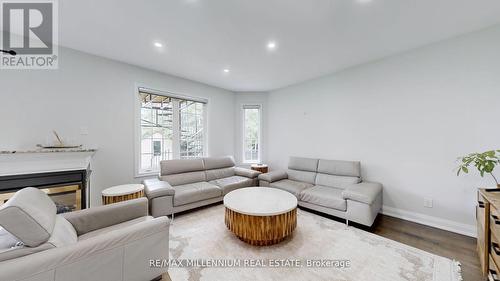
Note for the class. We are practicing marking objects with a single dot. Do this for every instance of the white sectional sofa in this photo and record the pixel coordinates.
(329, 186)
(190, 183)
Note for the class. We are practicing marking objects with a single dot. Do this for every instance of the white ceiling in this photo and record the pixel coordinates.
(314, 37)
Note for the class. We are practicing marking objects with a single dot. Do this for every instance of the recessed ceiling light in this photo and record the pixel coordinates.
(364, 1)
(271, 45)
(158, 44)
(226, 70)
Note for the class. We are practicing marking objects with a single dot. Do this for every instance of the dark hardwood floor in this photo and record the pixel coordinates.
(440, 242)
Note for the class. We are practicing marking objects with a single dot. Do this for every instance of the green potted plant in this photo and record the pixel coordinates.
(484, 162)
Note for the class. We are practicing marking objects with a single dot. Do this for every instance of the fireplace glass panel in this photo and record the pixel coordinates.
(67, 198)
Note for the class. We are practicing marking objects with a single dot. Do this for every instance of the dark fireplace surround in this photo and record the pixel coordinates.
(61, 186)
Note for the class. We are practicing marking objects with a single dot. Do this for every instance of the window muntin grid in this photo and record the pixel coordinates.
(164, 136)
(251, 134)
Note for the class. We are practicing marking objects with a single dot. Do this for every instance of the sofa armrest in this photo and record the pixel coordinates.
(364, 192)
(103, 216)
(246, 172)
(156, 188)
(273, 176)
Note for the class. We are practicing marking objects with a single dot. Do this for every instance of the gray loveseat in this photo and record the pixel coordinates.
(190, 183)
(114, 242)
(329, 186)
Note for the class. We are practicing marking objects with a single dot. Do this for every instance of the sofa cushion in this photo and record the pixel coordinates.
(29, 215)
(231, 183)
(219, 173)
(178, 166)
(335, 181)
(339, 168)
(303, 164)
(294, 187)
(184, 178)
(303, 176)
(193, 192)
(218, 162)
(325, 196)
(115, 227)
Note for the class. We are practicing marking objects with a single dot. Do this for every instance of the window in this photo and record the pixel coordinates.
(251, 133)
(171, 127)
(191, 137)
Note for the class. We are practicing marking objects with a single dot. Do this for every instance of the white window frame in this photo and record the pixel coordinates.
(138, 88)
(259, 156)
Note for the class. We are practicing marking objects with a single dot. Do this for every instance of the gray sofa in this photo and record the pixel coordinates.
(190, 183)
(113, 242)
(329, 186)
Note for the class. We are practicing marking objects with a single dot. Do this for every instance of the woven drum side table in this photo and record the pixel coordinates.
(120, 193)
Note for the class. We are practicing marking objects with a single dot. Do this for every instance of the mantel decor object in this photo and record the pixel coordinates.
(58, 144)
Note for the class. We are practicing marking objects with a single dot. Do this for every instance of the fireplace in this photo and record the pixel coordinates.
(68, 189)
(64, 174)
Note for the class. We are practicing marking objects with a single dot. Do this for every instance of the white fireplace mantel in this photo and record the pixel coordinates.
(19, 162)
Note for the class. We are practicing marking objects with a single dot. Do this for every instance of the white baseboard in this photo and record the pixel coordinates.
(449, 225)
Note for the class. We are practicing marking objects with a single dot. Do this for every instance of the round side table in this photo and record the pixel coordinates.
(122, 193)
(260, 168)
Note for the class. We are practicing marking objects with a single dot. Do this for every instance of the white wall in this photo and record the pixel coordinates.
(241, 99)
(97, 93)
(406, 118)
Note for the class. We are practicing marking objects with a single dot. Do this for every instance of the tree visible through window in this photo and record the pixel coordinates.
(171, 128)
(251, 133)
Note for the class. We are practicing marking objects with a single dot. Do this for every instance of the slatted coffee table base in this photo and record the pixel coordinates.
(115, 199)
(261, 230)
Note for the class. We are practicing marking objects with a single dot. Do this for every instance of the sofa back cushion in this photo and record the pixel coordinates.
(184, 178)
(335, 181)
(218, 162)
(339, 168)
(303, 164)
(171, 167)
(302, 169)
(302, 176)
(219, 167)
(182, 171)
(338, 173)
(215, 174)
(29, 215)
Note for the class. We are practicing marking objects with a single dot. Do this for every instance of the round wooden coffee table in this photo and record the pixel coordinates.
(261, 216)
(122, 193)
